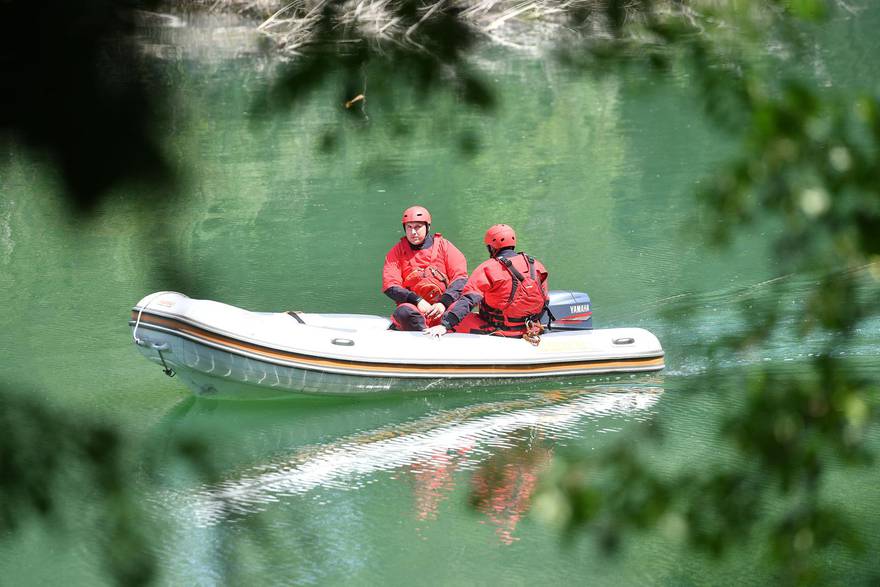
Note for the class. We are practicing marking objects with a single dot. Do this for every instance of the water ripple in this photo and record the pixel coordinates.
(479, 431)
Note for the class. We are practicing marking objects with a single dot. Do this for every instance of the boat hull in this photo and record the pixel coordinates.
(223, 351)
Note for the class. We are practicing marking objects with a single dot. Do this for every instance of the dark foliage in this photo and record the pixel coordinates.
(46, 451)
(76, 93)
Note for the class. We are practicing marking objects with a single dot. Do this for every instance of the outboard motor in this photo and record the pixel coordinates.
(568, 310)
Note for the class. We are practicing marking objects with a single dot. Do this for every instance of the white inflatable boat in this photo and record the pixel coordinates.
(218, 349)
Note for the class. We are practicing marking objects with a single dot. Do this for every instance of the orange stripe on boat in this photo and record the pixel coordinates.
(561, 367)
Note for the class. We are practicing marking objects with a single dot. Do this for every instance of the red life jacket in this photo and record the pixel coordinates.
(427, 281)
(525, 302)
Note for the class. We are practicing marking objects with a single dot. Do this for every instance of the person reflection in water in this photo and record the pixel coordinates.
(423, 273)
(434, 480)
(502, 488)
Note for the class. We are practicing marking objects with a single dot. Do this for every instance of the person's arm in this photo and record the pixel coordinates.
(455, 314)
(542, 277)
(392, 280)
(453, 292)
(471, 295)
(456, 270)
(402, 295)
(460, 309)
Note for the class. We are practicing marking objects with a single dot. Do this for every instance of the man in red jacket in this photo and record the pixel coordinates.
(423, 273)
(510, 289)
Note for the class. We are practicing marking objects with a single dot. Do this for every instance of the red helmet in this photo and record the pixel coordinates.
(416, 214)
(500, 236)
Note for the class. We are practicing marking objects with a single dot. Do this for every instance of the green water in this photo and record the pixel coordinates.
(597, 177)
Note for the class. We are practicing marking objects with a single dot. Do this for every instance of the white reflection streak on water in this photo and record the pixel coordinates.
(335, 465)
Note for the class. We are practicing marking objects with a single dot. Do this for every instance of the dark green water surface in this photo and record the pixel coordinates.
(596, 175)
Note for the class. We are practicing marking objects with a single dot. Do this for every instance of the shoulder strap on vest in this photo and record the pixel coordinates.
(513, 270)
(517, 277)
(531, 263)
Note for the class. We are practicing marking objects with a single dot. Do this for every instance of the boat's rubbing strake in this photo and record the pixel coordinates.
(654, 362)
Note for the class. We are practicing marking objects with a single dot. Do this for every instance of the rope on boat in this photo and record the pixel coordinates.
(140, 342)
(533, 332)
(137, 322)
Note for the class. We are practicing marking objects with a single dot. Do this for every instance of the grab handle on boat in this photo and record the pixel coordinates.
(623, 340)
(343, 341)
(156, 346)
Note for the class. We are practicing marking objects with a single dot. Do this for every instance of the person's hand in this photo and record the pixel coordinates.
(436, 311)
(436, 331)
(424, 306)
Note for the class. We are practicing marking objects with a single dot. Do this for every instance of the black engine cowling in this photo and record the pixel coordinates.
(568, 310)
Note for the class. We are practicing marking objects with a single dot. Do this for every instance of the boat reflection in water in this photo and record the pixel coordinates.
(503, 444)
